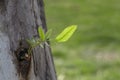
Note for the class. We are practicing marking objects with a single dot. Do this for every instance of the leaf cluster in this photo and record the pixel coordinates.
(44, 37)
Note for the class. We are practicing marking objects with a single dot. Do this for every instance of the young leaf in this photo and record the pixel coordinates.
(66, 33)
(29, 42)
(41, 33)
(46, 43)
(48, 34)
(41, 45)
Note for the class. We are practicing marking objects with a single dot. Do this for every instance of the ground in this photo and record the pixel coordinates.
(93, 51)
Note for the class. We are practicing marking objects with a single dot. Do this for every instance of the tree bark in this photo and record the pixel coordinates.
(19, 21)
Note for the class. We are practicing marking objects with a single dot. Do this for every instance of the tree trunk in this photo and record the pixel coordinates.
(19, 21)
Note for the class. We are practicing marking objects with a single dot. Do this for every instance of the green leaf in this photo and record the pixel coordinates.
(41, 45)
(48, 34)
(41, 33)
(31, 41)
(46, 43)
(66, 33)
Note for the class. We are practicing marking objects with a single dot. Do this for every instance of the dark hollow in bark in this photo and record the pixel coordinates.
(20, 20)
(23, 59)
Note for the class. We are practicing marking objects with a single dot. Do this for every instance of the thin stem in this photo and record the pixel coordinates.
(33, 46)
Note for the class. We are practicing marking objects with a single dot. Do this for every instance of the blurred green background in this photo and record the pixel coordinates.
(93, 51)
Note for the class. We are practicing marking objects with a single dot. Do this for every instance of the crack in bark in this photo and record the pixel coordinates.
(42, 14)
(2, 6)
(23, 59)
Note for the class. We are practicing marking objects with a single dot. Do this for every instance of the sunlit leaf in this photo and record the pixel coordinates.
(66, 33)
(41, 33)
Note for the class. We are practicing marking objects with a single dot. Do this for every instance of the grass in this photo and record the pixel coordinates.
(93, 52)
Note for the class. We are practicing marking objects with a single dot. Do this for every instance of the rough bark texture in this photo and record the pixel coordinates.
(19, 20)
